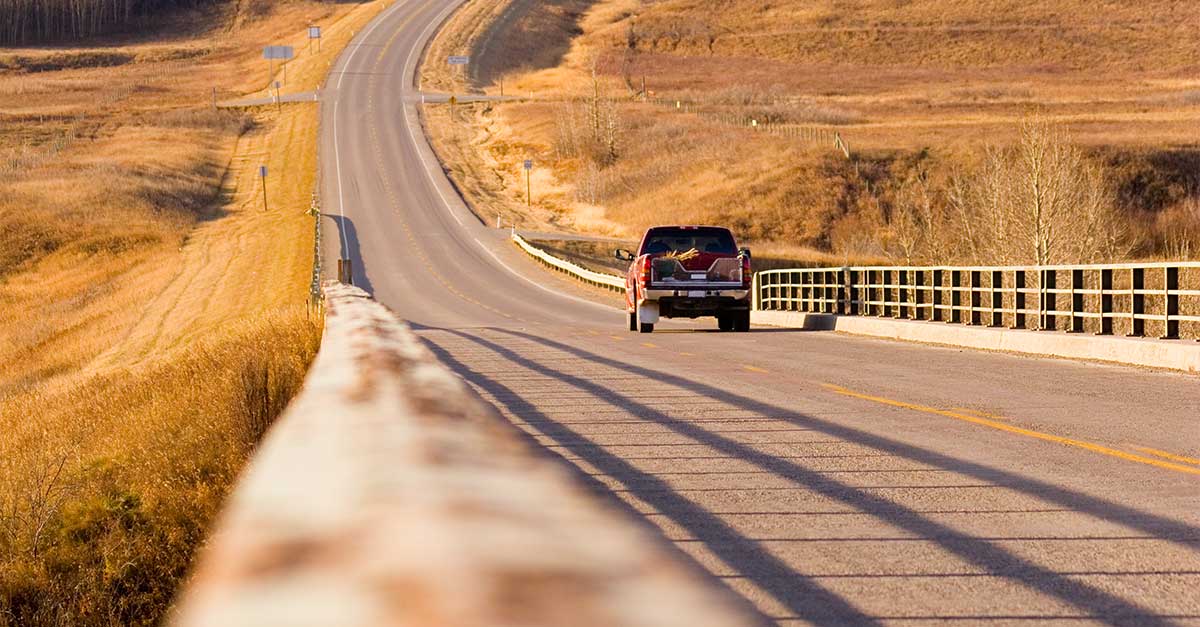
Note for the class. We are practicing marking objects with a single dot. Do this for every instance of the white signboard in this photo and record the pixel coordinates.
(278, 52)
(460, 60)
(528, 164)
(262, 171)
(314, 32)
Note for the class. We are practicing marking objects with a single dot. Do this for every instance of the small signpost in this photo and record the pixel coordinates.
(278, 97)
(262, 173)
(460, 61)
(314, 32)
(283, 53)
(528, 185)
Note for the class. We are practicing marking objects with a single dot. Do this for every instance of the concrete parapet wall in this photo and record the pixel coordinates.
(389, 494)
(1181, 355)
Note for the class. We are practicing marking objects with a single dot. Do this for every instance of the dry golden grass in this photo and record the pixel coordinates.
(152, 314)
(104, 502)
(913, 87)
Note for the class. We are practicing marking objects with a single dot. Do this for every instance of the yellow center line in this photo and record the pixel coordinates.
(649, 345)
(1166, 455)
(1096, 448)
(688, 354)
(981, 414)
(755, 369)
(617, 338)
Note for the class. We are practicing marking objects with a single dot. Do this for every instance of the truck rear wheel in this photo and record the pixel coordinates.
(725, 322)
(633, 324)
(741, 321)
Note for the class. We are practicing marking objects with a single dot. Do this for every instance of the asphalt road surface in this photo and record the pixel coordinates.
(828, 479)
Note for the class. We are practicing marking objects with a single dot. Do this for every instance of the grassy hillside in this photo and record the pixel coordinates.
(152, 312)
(743, 100)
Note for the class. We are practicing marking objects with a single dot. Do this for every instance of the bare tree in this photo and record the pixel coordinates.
(1041, 202)
(914, 227)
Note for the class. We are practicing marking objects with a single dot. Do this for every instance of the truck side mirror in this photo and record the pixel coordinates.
(623, 255)
(744, 252)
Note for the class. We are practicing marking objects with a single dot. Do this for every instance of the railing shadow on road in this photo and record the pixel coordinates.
(348, 248)
(800, 595)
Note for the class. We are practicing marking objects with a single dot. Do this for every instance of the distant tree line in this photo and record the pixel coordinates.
(24, 22)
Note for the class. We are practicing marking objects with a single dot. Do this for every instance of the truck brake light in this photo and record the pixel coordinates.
(644, 275)
(747, 273)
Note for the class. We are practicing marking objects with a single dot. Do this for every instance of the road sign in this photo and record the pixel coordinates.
(262, 171)
(529, 164)
(278, 52)
(460, 60)
(277, 85)
(314, 32)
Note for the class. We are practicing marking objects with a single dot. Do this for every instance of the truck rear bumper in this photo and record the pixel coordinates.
(697, 303)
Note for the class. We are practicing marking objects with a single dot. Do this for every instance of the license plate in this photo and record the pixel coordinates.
(696, 294)
(699, 277)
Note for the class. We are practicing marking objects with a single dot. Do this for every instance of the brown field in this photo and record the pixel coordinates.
(153, 316)
(916, 90)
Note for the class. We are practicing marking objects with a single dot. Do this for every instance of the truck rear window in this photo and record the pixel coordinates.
(704, 240)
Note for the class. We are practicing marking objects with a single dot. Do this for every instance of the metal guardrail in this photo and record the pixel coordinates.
(389, 494)
(601, 279)
(1139, 300)
(315, 295)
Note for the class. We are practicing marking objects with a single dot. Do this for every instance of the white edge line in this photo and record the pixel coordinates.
(407, 122)
(539, 285)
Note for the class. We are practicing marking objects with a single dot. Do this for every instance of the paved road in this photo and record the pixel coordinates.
(828, 479)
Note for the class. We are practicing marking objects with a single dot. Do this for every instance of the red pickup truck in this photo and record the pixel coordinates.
(688, 272)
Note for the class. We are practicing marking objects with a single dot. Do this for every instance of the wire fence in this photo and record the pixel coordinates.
(813, 133)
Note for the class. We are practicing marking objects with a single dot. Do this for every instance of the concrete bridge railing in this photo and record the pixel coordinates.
(1138, 300)
(389, 494)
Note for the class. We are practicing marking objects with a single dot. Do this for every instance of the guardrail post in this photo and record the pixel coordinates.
(852, 292)
(887, 293)
(997, 298)
(1170, 303)
(802, 290)
(755, 294)
(828, 292)
(346, 271)
(1137, 302)
(1077, 298)
(919, 295)
(1048, 303)
(955, 296)
(1018, 299)
(1106, 301)
(976, 297)
(936, 314)
(841, 290)
(902, 293)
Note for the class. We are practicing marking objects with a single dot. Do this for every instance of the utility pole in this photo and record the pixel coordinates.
(528, 184)
(262, 173)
